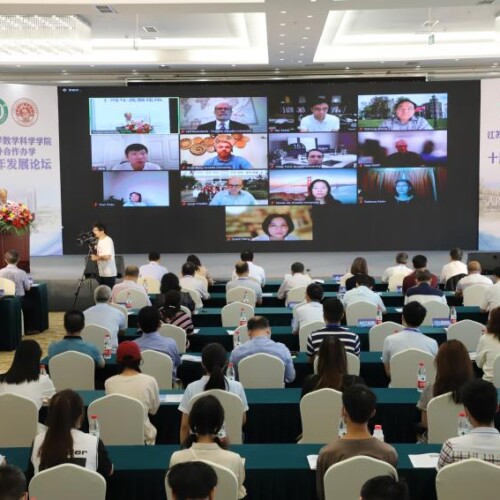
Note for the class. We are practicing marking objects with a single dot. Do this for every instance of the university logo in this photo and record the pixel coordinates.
(24, 112)
(4, 111)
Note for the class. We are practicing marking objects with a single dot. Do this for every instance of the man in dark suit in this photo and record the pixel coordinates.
(223, 122)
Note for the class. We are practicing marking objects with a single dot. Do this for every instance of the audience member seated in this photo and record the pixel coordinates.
(62, 442)
(492, 294)
(400, 269)
(206, 420)
(200, 270)
(170, 281)
(333, 312)
(409, 338)
(363, 293)
(242, 272)
(423, 292)
(172, 314)
(129, 283)
(332, 369)
(153, 269)
(105, 315)
(419, 263)
(359, 267)
(474, 277)
(254, 270)
(13, 484)
(454, 267)
(310, 309)
(483, 441)
(260, 343)
(488, 347)
(453, 370)
(149, 322)
(131, 382)
(297, 278)
(24, 377)
(385, 488)
(74, 323)
(358, 408)
(213, 361)
(192, 481)
(188, 281)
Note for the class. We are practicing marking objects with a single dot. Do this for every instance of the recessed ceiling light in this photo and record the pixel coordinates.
(302, 46)
(92, 65)
(283, 11)
(310, 15)
(307, 28)
(276, 69)
(233, 65)
(162, 65)
(282, 24)
(134, 71)
(282, 34)
(18, 65)
(382, 62)
(202, 71)
(457, 59)
(282, 59)
(305, 38)
(282, 51)
(282, 43)
(347, 67)
(418, 66)
(495, 64)
(301, 54)
(299, 62)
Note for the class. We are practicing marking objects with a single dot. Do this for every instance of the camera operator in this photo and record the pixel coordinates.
(104, 255)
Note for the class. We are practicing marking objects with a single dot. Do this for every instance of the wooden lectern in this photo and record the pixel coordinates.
(20, 243)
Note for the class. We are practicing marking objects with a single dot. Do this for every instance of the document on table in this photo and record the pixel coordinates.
(398, 309)
(170, 398)
(191, 357)
(196, 330)
(312, 461)
(424, 461)
(230, 332)
(268, 294)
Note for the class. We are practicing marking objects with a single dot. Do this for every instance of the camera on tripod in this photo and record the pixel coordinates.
(86, 237)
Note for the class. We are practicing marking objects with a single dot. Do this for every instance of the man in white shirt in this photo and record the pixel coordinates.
(297, 278)
(153, 269)
(492, 295)
(104, 256)
(243, 280)
(309, 310)
(454, 267)
(474, 277)
(254, 271)
(319, 120)
(363, 293)
(399, 269)
(188, 281)
(129, 283)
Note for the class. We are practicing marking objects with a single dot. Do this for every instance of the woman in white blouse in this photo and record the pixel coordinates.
(488, 347)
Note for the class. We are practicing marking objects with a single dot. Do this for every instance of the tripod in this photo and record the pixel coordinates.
(90, 272)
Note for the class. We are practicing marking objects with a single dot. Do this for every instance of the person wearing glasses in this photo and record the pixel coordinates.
(319, 120)
(223, 122)
(233, 195)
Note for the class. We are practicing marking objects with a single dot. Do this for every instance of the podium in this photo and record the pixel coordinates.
(10, 241)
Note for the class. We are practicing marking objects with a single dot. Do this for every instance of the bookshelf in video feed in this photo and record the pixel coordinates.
(402, 148)
(134, 143)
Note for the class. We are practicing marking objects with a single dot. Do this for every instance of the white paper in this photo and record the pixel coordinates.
(312, 461)
(230, 332)
(170, 398)
(268, 294)
(424, 461)
(398, 309)
(472, 356)
(196, 330)
(318, 280)
(191, 357)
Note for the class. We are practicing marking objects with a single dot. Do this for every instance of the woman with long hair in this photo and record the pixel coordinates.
(172, 314)
(488, 347)
(320, 192)
(24, 377)
(170, 281)
(206, 419)
(62, 442)
(200, 270)
(359, 267)
(213, 361)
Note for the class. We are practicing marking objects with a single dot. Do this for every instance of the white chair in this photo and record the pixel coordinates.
(9, 287)
(435, 309)
(353, 364)
(198, 303)
(404, 367)
(473, 295)
(227, 483)
(121, 419)
(305, 330)
(297, 294)
(238, 294)
(230, 313)
(95, 335)
(233, 411)
(396, 280)
(320, 413)
(138, 298)
(122, 309)
(261, 371)
(496, 371)
(467, 331)
(360, 310)
(68, 481)
(72, 370)
(19, 417)
(152, 285)
(378, 334)
(442, 417)
(176, 333)
(470, 478)
(344, 480)
(158, 365)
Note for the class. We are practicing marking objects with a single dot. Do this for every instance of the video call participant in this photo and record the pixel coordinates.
(134, 200)
(104, 256)
(223, 122)
(405, 118)
(319, 191)
(4, 201)
(403, 157)
(319, 120)
(226, 159)
(315, 157)
(277, 228)
(233, 195)
(137, 159)
(403, 192)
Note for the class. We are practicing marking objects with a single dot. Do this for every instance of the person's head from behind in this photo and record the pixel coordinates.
(137, 155)
(25, 366)
(315, 157)
(148, 319)
(493, 325)
(74, 322)
(206, 417)
(402, 258)
(12, 483)
(419, 261)
(332, 362)
(213, 358)
(297, 267)
(314, 292)
(333, 311)
(359, 403)
(480, 401)
(192, 481)
(423, 276)
(132, 273)
(188, 269)
(258, 326)
(456, 254)
(154, 256)
(278, 226)
(247, 256)
(359, 266)
(128, 355)
(413, 314)
(385, 488)
(194, 260)
(102, 294)
(169, 281)
(474, 267)
(241, 268)
(12, 257)
(364, 280)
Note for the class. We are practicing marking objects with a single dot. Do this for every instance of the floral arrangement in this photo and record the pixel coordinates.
(136, 126)
(15, 218)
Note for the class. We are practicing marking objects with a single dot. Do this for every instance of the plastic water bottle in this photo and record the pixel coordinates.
(94, 426)
(342, 289)
(128, 302)
(245, 298)
(43, 371)
(378, 433)
(236, 339)
(399, 289)
(107, 347)
(342, 431)
(230, 372)
(453, 315)
(421, 377)
(145, 285)
(463, 425)
(243, 317)
(378, 319)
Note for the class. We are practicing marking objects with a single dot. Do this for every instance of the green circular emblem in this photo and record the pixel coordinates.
(4, 111)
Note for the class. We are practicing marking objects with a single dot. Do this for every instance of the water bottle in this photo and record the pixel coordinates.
(145, 285)
(245, 298)
(236, 339)
(399, 289)
(421, 377)
(107, 347)
(94, 426)
(342, 289)
(453, 315)
(128, 302)
(43, 371)
(378, 433)
(463, 425)
(378, 319)
(230, 372)
(342, 431)
(243, 317)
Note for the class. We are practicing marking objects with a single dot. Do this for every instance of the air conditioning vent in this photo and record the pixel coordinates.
(150, 29)
(105, 9)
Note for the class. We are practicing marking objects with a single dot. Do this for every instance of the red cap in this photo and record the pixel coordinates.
(129, 350)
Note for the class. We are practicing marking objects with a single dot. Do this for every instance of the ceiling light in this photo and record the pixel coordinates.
(283, 11)
(347, 67)
(282, 34)
(302, 46)
(134, 71)
(305, 38)
(282, 59)
(18, 65)
(299, 62)
(301, 54)
(233, 65)
(92, 65)
(310, 15)
(307, 28)
(282, 51)
(282, 24)
(418, 66)
(282, 43)
(64, 71)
